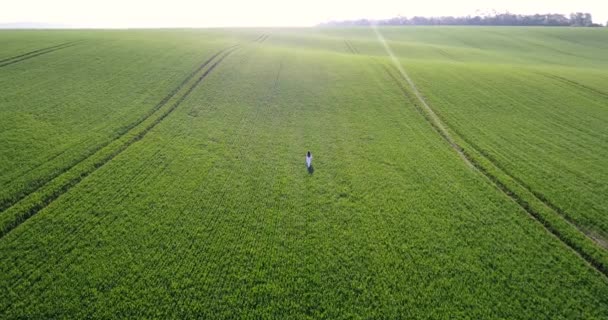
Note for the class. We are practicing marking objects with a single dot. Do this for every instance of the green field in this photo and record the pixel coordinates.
(160, 173)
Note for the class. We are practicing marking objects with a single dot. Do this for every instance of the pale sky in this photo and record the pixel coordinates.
(225, 13)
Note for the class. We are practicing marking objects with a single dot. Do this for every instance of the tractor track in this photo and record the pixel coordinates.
(7, 203)
(439, 126)
(350, 47)
(537, 44)
(446, 54)
(22, 215)
(261, 38)
(539, 196)
(36, 53)
(573, 83)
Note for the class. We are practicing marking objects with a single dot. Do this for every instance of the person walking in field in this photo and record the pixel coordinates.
(308, 159)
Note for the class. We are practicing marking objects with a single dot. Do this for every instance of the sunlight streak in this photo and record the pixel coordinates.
(433, 116)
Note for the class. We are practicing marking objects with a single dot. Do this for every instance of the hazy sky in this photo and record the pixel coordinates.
(221, 13)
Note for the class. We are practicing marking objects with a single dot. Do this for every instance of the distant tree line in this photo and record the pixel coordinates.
(578, 19)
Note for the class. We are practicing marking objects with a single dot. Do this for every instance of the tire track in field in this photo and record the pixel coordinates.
(7, 203)
(36, 53)
(573, 83)
(541, 197)
(439, 126)
(520, 40)
(350, 47)
(22, 214)
(261, 38)
(446, 54)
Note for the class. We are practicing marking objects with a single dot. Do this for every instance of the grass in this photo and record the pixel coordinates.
(553, 142)
(116, 85)
(211, 212)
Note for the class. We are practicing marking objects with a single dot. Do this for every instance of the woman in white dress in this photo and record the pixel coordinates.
(308, 159)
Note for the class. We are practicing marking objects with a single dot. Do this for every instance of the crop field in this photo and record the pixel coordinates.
(458, 172)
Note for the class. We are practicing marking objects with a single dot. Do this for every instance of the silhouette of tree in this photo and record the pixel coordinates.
(578, 19)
